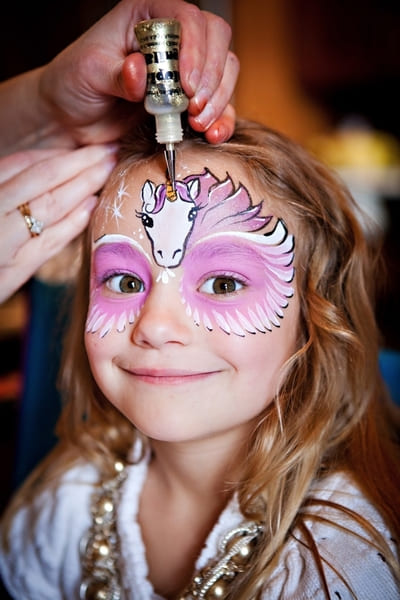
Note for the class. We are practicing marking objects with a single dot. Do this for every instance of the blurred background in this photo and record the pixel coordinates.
(325, 72)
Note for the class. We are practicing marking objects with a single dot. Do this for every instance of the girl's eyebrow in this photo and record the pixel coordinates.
(117, 244)
(216, 246)
(118, 250)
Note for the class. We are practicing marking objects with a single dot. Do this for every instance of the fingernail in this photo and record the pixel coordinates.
(89, 204)
(206, 117)
(220, 134)
(110, 162)
(194, 80)
(201, 99)
(106, 167)
(112, 147)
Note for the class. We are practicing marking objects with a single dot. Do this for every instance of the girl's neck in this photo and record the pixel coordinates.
(198, 469)
(187, 487)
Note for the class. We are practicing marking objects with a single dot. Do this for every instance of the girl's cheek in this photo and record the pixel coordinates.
(108, 313)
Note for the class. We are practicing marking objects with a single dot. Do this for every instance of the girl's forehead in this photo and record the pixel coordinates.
(127, 191)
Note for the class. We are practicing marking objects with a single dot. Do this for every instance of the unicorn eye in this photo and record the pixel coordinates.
(126, 284)
(147, 221)
(222, 284)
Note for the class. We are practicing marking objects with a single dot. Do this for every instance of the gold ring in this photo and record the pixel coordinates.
(34, 226)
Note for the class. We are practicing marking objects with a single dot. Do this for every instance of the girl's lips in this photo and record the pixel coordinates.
(168, 376)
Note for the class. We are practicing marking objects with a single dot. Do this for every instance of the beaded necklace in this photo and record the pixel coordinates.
(100, 550)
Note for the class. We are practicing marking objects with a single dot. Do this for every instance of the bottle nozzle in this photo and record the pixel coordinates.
(168, 128)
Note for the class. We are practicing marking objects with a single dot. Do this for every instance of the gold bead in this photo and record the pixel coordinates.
(106, 506)
(99, 520)
(97, 590)
(218, 590)
(242, 557)
(119, 466)
(101, 549)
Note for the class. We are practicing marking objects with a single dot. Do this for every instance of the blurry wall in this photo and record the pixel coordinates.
(306, 64)
(32, 33)
(269, 89)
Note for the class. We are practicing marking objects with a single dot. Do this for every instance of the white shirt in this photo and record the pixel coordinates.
(43, 561)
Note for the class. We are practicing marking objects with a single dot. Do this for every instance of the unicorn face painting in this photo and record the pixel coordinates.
(189, 287)
(207, 226)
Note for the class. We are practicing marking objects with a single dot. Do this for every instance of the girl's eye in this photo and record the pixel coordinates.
(221, 285)
(126, 284)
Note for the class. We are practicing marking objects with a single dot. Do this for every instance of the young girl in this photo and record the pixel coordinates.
(226, 433)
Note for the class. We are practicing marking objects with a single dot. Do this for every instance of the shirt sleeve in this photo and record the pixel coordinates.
(353, 566)
(40, 559)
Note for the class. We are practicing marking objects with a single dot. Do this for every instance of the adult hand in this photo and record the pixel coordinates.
(58, 188)
(83, 86)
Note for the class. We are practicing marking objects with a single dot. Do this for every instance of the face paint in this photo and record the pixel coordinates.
(222, 207)
(234, 276)
(239, 282)
(168, 219)
(202, 203)
(120, 282)
(114, 209)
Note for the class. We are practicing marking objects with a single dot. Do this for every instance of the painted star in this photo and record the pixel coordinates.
(118, 202)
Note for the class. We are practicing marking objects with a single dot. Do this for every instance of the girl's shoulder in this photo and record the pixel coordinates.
(338, 530)
(40, 545)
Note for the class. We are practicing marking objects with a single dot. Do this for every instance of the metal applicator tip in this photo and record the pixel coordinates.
(169, 155)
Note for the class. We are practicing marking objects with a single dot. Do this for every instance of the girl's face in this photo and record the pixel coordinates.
(193, 309)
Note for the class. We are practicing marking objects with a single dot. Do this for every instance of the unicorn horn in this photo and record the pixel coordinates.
(170, 192)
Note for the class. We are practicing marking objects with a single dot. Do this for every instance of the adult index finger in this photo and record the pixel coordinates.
(46, 175)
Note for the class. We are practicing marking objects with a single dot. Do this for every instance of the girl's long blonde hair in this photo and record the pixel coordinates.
(331, 412)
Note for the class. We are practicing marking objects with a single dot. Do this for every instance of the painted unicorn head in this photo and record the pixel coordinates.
(168, 219)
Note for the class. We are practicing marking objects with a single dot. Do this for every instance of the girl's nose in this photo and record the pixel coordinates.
(162, 319)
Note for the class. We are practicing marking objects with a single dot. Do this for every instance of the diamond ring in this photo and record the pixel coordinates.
(35, 227)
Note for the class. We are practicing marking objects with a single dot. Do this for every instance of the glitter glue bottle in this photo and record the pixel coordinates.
(159, 43)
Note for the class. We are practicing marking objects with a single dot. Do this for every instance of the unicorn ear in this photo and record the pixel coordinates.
(194, 188)
(148, 197)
